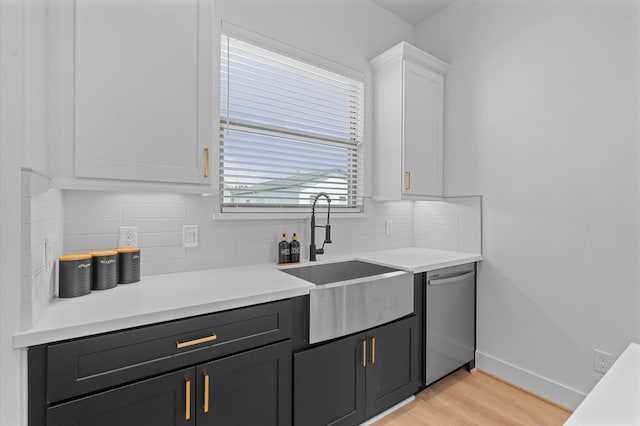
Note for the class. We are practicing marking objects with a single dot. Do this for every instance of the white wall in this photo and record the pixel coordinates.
(12, 118)
(542, 108)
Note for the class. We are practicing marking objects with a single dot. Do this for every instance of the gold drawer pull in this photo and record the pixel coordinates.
(364, 353)
(373, 350)
(407, 181)
(206, 162)
(206, 393)
(187, 407)
(196, 341)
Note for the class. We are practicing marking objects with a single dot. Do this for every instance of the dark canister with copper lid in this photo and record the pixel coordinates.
(128, 265)
(105, 269)
(74, 275)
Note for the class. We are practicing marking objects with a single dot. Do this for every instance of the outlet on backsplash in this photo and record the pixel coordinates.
(128, 236)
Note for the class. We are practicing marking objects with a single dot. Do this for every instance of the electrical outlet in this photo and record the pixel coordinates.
(190, 236)
(128, 236)
(601, 361)
(388, 227)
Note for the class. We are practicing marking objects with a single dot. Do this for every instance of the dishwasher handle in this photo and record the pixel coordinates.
(440, 281)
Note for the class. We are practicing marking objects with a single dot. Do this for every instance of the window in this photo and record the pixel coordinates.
(288, 130)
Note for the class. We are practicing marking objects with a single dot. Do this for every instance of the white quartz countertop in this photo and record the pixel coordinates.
(614, 400)
(168, 297)
(418, 260)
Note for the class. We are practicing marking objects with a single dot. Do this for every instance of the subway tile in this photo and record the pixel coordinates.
(137, 210)
(154, 198)
(156, 254)
(26, 288)
(439, 227)
(83, 226)
(161, 267)
(82, 196)
(195, 264)
(442, 220)
(159, 239)
(26, 318)
(155, 224)
(440, 208)
(199, 206)
(89, 242)
(469, 235)
(258, 252)
(98, 209)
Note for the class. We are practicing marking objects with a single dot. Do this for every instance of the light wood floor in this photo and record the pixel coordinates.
(475, 398)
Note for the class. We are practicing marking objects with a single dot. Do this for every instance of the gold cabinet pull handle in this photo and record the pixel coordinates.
(206, 393)
(407, 181)
(206, 162)
(373, 350)
(187, 407)
(364, 353)
(196, 341)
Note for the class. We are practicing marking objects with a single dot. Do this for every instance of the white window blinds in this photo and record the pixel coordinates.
(288, 130)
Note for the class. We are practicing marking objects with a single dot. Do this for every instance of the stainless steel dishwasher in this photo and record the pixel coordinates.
(450, 320)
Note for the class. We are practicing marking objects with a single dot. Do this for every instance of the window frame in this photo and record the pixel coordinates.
(313, 60)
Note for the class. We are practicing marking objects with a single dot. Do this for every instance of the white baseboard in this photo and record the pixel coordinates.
(389, 411)
(539, 385)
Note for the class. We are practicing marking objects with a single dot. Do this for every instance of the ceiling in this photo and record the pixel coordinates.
(413, 11)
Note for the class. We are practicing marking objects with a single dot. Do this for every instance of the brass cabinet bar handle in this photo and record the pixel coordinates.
(373, 350)
(364, 353)
(206, 162)
(187, 407)
(206, 393)
(196, 341)
(407, 181)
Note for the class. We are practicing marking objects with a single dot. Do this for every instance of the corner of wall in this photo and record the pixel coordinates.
(40, 244)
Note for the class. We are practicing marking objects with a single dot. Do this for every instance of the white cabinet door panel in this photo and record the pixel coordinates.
(136, 90)
(422, 130)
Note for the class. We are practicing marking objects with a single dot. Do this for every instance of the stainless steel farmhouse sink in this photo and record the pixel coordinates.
(353, 296)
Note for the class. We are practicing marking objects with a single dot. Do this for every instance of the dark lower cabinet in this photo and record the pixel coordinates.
(328, 384)
(393, 373)
(357, 377)
(220, 369)
(161, 401)
(251, 388)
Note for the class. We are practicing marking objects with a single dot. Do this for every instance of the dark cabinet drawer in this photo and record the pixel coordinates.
(89, 364)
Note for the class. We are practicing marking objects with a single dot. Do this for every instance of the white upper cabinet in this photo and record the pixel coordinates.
(408, 124)
(141, 91)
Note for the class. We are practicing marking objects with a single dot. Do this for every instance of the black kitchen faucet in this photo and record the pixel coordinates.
(327, 228)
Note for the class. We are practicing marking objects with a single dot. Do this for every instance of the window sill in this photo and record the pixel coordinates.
(286, 215)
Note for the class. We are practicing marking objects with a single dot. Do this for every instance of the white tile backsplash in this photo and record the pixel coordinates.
(224, 243)
(81, 221)
(42, 217)
(454, 224)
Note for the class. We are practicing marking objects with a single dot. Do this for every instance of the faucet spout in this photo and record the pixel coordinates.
(313, 251)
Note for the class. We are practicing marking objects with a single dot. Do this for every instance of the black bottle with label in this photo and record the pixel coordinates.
(294, 247)
(284, 255)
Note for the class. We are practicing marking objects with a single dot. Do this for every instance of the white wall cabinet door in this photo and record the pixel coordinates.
(422, 131)
(408, 124)
(142, 96)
